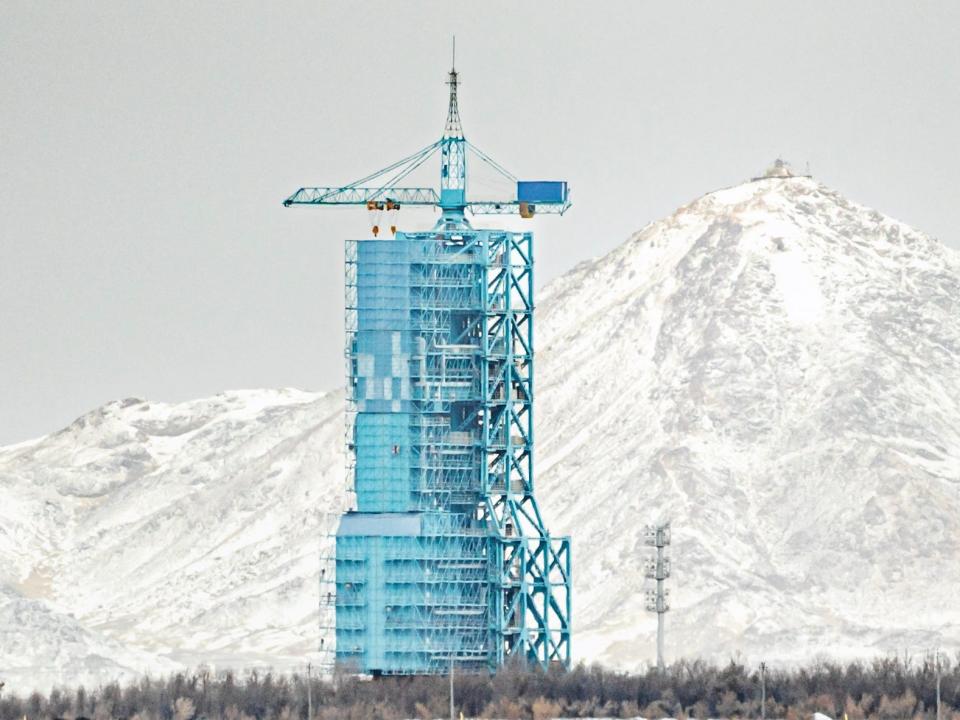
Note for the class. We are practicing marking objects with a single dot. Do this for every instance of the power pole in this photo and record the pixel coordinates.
(938, 669)
(451, 686)
(309, 694)
(763, 691)
(658, 568)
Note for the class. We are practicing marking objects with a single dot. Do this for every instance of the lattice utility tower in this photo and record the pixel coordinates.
(657, 567)
(446, 559)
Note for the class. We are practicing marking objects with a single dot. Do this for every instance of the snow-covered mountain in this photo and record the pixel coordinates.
(777, 370)
(187, 533)
(773, 367)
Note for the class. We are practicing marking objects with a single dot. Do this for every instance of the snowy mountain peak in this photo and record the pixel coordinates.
(778, 369)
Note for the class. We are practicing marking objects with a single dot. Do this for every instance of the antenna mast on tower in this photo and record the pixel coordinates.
(657, 568)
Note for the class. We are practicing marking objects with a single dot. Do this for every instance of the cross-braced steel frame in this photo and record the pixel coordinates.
(450, 313)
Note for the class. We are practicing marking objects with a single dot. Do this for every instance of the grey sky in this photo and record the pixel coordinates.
(145, 149)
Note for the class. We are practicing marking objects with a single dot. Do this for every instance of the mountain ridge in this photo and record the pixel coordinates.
(722, 367)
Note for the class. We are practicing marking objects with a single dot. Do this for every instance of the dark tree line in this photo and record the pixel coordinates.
(890, 688)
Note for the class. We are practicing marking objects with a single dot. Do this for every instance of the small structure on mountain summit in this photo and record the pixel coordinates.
(780, 168)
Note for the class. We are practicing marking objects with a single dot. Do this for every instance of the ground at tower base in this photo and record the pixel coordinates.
(886, 688)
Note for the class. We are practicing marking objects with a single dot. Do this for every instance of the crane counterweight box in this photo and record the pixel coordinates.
(534, 191)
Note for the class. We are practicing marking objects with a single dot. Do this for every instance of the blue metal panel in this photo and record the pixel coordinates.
(389, 524)
(382, 449)
(545, 191)
(452, 197)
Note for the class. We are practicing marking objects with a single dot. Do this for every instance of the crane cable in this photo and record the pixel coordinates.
(491, 162)
(424, 155)
(390, 168)
(376, 203)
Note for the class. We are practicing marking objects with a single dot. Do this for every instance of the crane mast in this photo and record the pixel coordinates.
(453, 161)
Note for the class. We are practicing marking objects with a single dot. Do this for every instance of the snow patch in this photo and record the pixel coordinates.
(798, 286)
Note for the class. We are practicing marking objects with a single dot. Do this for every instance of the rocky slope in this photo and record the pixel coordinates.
(777, 370)
(187, 533)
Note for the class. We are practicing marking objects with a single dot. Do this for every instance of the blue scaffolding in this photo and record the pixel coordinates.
(446, 559)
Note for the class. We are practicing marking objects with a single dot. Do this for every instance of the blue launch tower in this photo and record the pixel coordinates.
(446, 559)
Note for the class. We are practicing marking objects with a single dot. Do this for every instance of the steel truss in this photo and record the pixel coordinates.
(482, 581)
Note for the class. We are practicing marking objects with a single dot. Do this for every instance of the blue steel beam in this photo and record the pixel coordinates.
(363, 195)
(512, 207)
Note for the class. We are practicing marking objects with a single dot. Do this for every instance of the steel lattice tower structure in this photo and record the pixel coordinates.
(446, 558)
(657, 567)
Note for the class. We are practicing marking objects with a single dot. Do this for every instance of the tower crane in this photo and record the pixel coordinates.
(381, 190)
(445, 560)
